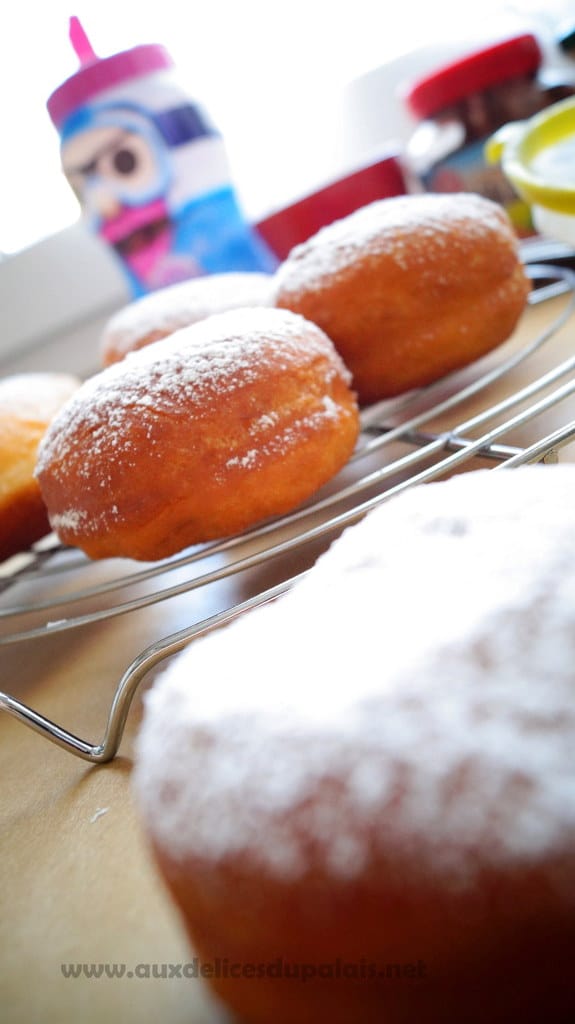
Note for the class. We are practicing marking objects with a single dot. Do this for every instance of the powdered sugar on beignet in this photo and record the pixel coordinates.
(433, 721)
(162, 312)
(229, 421)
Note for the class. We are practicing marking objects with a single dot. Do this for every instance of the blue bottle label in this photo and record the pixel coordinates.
(154, 185)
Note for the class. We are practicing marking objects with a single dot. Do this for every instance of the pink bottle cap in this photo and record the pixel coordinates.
(97, 74)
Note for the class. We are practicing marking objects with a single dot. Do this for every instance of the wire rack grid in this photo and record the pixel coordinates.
(420, 437)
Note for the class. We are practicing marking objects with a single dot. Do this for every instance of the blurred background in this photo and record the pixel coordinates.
(287, 84)
(302, 92)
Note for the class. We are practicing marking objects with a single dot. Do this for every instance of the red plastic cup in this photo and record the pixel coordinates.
(283, 229)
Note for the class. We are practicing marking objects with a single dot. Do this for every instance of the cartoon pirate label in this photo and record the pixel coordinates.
(149, 170)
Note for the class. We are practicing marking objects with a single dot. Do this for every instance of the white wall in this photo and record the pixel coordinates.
(54, 299)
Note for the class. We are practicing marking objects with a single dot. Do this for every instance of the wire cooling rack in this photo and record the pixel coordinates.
(419, 437)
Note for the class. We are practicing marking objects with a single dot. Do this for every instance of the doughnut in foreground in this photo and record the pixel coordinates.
(28, 402)
(409, 288)
(162, 312)
(384, 795)
(205, 433)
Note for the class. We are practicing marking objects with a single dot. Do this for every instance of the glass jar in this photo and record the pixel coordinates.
(460, 105)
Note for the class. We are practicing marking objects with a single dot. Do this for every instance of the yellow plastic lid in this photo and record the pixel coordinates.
(538, 157)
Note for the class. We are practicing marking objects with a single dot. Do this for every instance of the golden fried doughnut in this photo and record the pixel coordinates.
(236, 418)
(28, 401)
(162, 312)
(361, 796)
(409, 288)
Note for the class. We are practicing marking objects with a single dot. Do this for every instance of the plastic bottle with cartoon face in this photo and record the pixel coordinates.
(150, 170)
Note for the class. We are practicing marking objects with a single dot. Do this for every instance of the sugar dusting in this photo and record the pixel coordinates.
(189, 373)
(167, 310)
(410, 230)
(413, 695)
(275, 439)
(35, 396)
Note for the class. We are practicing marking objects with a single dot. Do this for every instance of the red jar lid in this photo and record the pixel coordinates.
(520, 55)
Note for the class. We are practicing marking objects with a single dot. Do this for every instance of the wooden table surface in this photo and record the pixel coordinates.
(77, 883)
